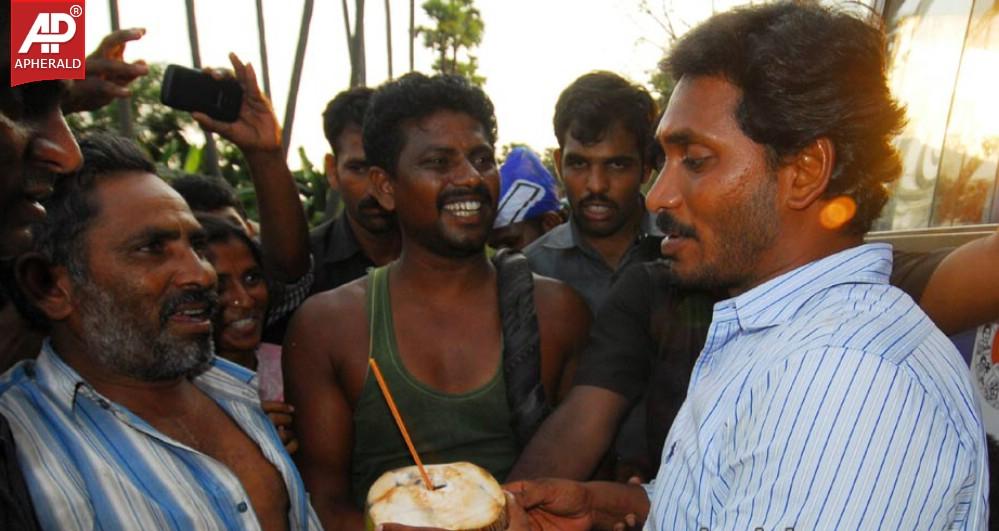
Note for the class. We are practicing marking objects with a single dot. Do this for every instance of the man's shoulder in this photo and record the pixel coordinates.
(552, 241)
(875, 318)
(17, 382)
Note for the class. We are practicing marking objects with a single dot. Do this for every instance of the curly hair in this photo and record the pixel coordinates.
(414, 96)
(71, 207)
(805, 72)
(345, 109)
(597, 101)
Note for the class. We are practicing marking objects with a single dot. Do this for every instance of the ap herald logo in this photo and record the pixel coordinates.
(46, 40)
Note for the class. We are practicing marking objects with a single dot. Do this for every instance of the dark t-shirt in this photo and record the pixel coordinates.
(338, 258)
(648, 335)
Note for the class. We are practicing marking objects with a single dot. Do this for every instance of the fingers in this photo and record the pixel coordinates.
(211, 124)
(115, 69)
(517, 519)
(113, 44)
(276, 406)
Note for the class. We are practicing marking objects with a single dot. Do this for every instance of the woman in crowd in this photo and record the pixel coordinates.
(244, 297)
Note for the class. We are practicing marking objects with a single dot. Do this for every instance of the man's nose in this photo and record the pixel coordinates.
(597, 181)
(53, 146)
(664, 194)
(194, 271)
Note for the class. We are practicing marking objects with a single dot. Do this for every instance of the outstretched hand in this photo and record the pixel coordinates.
(108, 75)
(554, 504)
(256, 128)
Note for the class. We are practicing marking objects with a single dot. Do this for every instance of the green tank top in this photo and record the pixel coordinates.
(472, 426)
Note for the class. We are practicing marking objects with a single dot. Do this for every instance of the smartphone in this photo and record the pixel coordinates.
(192, 90)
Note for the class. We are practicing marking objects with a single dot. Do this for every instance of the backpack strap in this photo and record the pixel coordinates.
(521, 345)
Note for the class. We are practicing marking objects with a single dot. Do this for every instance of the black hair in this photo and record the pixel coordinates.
(345, 109)
(222, 230)
(207, 194)
(596, 102)
(805, 72)
(414, 96)
(71, 207)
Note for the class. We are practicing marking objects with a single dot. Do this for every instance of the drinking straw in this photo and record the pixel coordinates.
(399, 422)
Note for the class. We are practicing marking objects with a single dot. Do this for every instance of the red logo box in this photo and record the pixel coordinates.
(47, 40)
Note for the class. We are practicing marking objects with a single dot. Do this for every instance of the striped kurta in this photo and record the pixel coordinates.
(92, 464)
(825, 399)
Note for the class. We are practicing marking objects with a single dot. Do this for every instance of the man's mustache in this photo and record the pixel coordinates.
(597, 199)
(669, 225)
(206, 296)
(478, 191)
(369, 203)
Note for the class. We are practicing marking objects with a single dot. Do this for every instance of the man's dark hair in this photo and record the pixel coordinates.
(71, 207)
(596, 102)
(414, 96)
(207, 194)
(806, 72)
(345, 109)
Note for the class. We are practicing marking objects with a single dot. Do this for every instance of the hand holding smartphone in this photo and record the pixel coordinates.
(195, 91)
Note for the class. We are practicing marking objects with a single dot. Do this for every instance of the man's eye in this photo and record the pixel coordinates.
(484, 162)
(694, 164)
(575, 163)
(156, 247)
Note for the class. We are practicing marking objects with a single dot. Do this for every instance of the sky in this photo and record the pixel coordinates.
(531, 50)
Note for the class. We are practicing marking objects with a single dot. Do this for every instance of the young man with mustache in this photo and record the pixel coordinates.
(431, 319)
(604, 125)
(149, 430)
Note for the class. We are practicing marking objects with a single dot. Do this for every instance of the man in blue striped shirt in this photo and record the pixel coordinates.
(824, 398)
(126, 420)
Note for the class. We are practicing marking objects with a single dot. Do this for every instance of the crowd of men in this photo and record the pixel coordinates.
(725, 352)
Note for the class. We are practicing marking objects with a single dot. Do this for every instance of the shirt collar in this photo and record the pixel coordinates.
(223, 379)
(779, 299)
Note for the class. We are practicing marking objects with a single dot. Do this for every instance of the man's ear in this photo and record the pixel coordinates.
(383, 189)
(45, 286)
(329, 161)
(550, 220)
(805, 175)
(557, 155)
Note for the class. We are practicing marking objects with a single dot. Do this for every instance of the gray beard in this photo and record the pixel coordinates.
(118, 341)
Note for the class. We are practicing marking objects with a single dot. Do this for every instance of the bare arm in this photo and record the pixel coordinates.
(571, 442)
(564, 323)
(963, 292)
(284, 233)
(323, 417)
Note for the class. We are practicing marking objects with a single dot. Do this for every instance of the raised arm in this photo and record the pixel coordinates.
(284, 233)
(963, 291)
(108, 75)
(323, 416)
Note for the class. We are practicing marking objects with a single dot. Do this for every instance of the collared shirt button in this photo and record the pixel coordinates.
(242, 507)
(103, 403)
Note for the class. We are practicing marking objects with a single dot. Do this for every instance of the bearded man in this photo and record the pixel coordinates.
(126, 420)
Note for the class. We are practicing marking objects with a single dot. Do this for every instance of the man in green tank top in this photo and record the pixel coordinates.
(431, 319)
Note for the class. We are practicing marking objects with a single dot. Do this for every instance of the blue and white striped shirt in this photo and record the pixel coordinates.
(825, 399)
(92, 464)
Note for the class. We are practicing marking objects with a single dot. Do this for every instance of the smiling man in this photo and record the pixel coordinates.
(431, 319)
(149, 429)
(824, 398)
